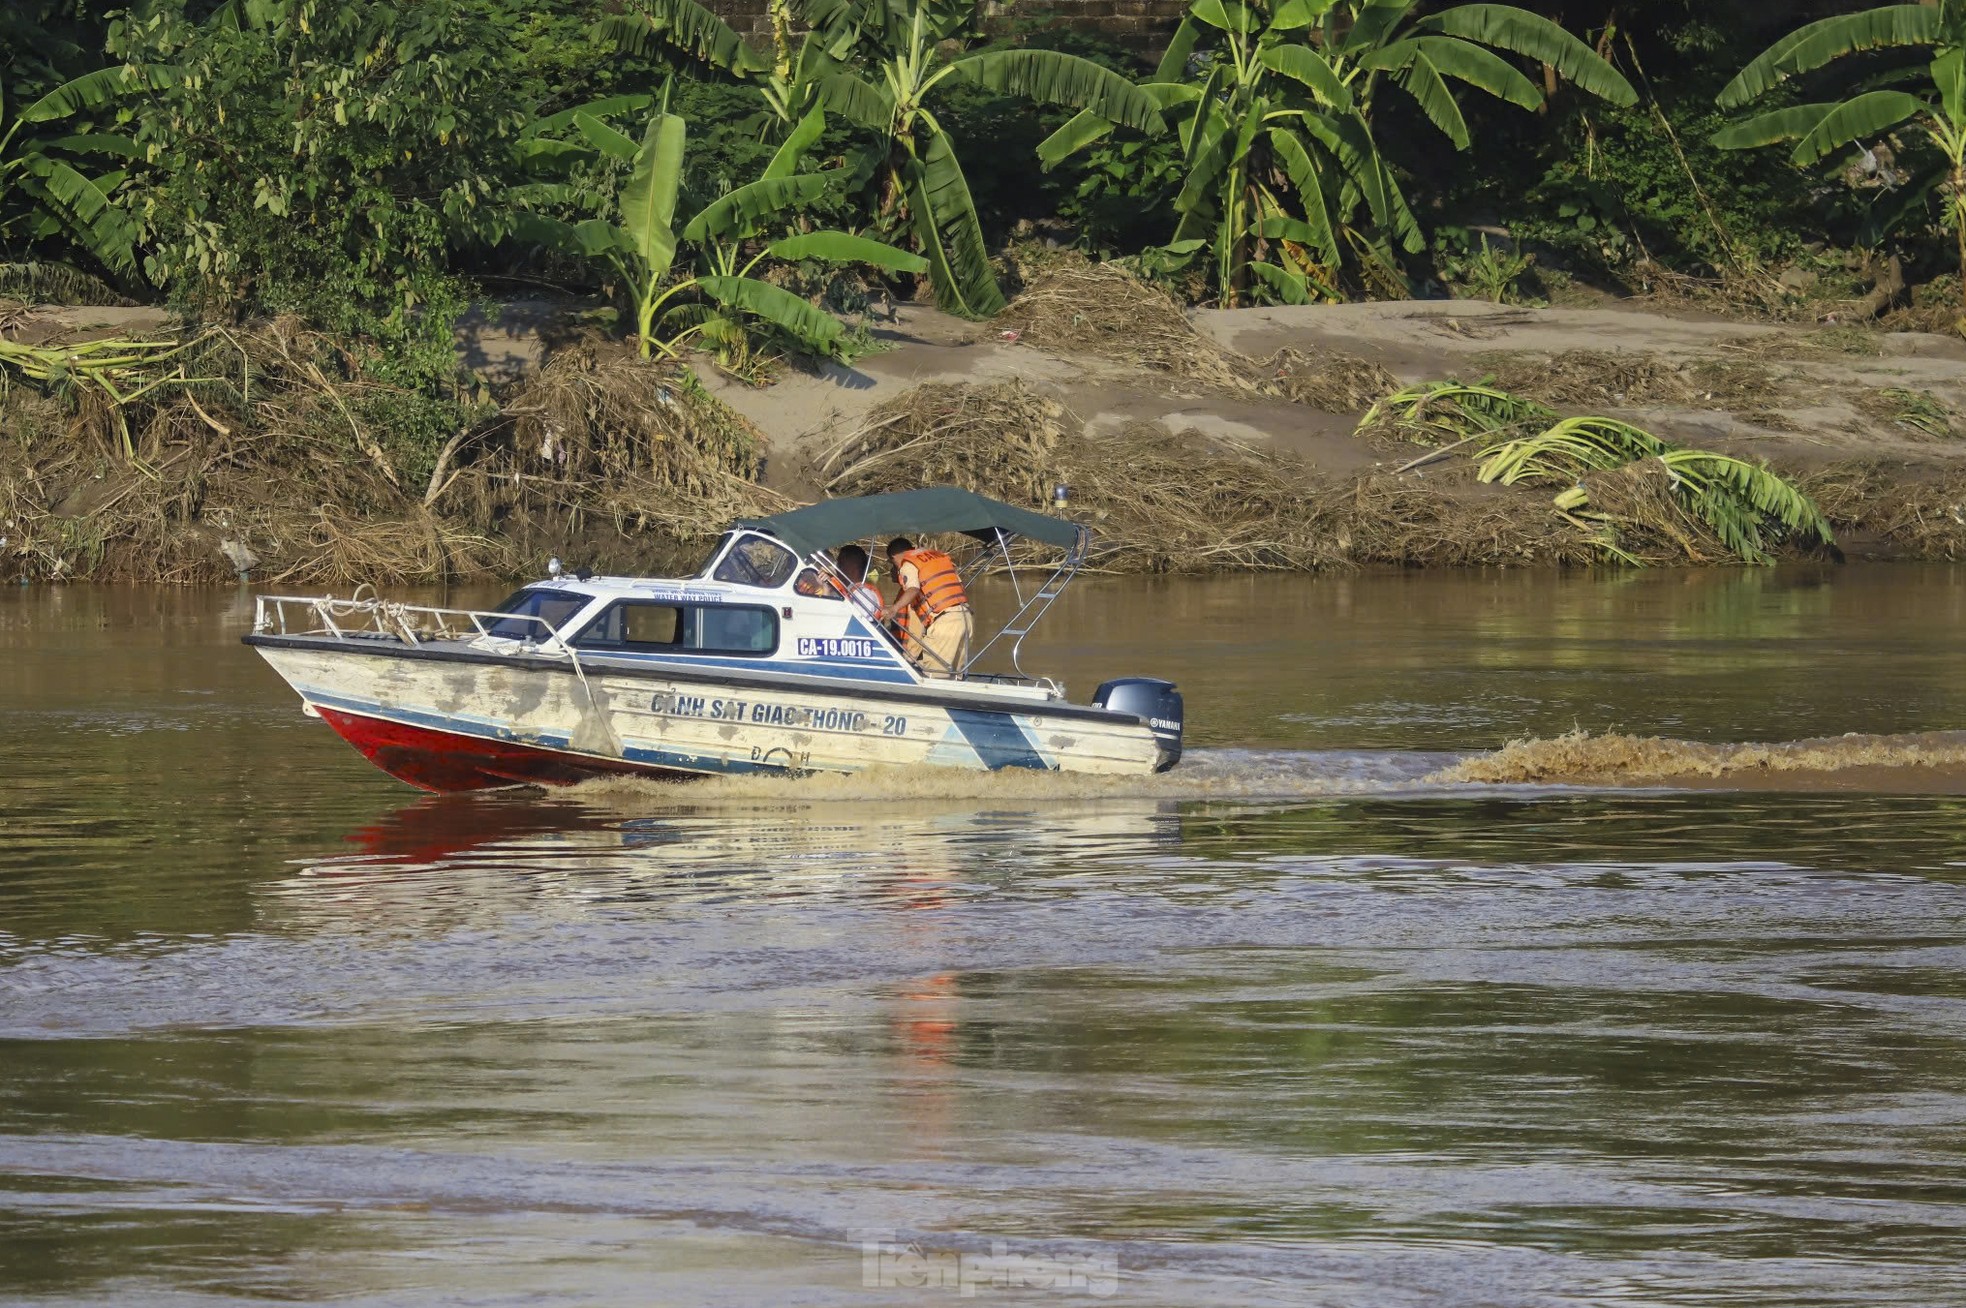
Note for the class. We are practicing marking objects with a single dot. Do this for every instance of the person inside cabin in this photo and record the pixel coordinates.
(847, 580)
(933, 605)
(852, 563)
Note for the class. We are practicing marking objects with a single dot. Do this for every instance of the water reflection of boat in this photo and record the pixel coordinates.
(756, 664)
(437, 828)
(513, 854)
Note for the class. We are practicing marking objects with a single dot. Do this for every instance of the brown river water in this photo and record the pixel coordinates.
(1302, 1022)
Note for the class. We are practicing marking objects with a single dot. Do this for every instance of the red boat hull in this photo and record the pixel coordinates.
(446, 761)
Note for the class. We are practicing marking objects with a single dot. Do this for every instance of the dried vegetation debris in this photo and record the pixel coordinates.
(1167, 501)
(272, 446)
(1331, 381)
(1917, 411)
(1918, 510)
(1161, 501)
(1073, 306)
(641, 445)
(1599, 379)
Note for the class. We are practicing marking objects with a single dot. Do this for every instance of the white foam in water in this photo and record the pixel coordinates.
(1202, 774)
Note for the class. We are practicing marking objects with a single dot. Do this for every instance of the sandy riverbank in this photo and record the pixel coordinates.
(1869, 422)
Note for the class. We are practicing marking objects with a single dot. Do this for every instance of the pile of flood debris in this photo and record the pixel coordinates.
(197, 455)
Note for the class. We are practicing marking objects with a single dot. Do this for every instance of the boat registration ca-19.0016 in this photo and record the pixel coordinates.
(776, 715)
(837, 647)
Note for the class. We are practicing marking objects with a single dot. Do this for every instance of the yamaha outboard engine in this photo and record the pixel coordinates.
(1157, 703)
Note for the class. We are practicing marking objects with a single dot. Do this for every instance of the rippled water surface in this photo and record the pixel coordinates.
(1292, 1024)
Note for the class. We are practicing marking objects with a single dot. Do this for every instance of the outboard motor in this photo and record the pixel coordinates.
(1157, 703)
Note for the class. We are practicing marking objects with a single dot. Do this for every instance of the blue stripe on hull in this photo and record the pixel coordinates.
(1000, 740)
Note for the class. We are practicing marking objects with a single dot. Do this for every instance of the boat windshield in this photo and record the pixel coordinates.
(756, 561)
(554, 608)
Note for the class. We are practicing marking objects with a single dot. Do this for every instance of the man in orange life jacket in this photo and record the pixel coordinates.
(933, 604)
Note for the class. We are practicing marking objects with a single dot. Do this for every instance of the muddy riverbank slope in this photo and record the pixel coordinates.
(1196, 440)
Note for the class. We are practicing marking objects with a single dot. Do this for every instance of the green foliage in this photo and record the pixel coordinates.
(1481, 268)
(1124, 189)
(883, 65)
(51, 151)
(325, 157)
(722, 300)
(1281, 171)
(1434, 413)
(1924, 85)
(1623, 182)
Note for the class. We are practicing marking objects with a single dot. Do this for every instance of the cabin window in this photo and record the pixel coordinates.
(650, 626)
(635, 626)
(554, 608)
(757, 561)
(731, 629)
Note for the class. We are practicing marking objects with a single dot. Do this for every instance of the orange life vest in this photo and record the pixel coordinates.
(941, 585)
(859, 594)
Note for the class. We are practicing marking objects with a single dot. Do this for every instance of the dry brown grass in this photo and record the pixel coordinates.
(603, 457)
(1647, 520)
(600, 434)
(1598, 379)
(1072, 305)
(1160, 501)
(1164, 501)
(1920, 512)
(1333, 381)
(1918, 413)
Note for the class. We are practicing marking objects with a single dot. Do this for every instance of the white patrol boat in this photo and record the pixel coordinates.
(755, 664)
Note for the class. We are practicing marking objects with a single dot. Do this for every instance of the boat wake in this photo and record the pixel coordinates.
(1921, 762)
(1203, 774)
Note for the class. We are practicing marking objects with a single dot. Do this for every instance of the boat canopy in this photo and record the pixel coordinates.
(831, 523)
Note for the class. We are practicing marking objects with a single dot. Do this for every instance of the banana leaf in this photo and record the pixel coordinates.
(738, 214)
(951, 237)
(688, 26)
(1814, 44)
(810, 326)
(844, 247)
(615, 145)
(1853, 120)
(648, 201)
(1303, 64)
(1053, 77)
(1521, 32)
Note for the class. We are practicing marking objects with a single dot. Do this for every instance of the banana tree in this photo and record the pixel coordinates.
(721, 293)
(1929, 92)
(879, 64)
(39, 165)
(1283, 176)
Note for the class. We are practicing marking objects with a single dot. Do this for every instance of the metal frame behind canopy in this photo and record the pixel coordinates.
(1030, 610)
